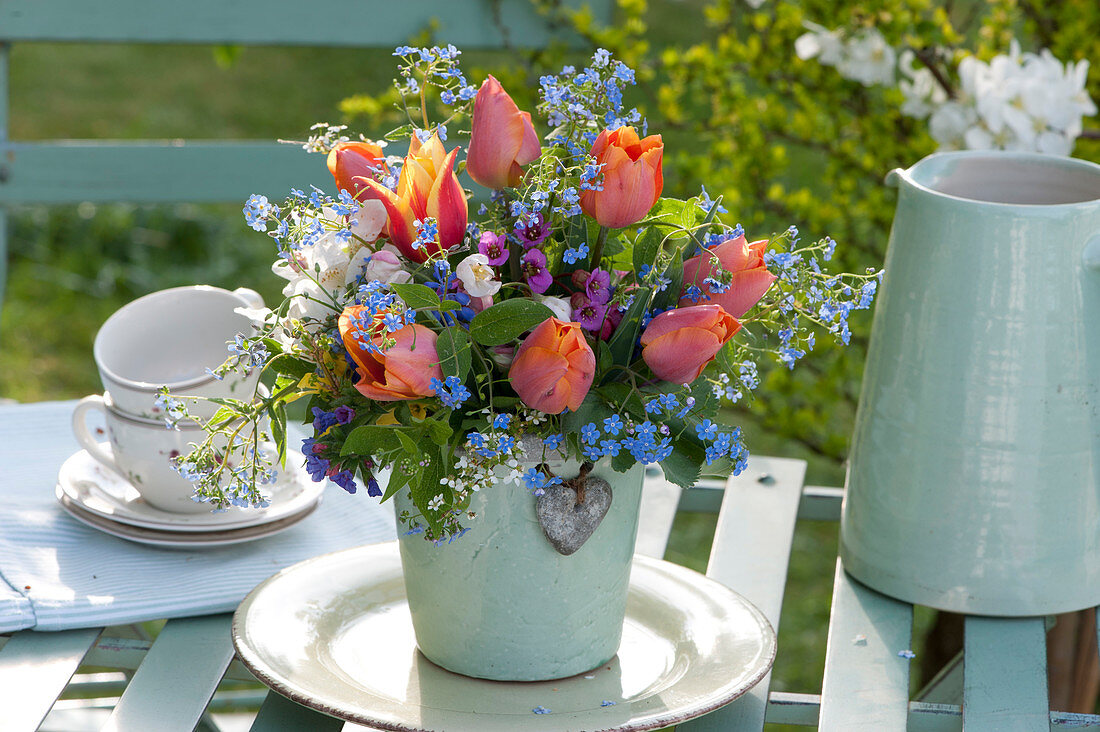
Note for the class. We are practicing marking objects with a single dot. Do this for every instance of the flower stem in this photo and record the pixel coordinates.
(597, 250)
(424, 102)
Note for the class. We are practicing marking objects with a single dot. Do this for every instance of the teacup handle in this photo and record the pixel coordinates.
(254, 299)
(84, 436)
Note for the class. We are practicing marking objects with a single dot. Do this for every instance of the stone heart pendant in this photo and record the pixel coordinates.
(570, 512)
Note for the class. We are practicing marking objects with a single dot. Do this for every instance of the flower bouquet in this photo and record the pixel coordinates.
(512, 363)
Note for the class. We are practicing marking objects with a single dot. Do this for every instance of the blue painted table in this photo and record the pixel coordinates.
(866, 683)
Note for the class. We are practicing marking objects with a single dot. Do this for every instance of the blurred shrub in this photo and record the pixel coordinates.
(787, 141)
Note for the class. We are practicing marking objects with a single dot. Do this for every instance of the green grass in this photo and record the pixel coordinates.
(70, 267)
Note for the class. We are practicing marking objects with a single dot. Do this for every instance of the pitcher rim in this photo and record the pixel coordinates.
(906, 174)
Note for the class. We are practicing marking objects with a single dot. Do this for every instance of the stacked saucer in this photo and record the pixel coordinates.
(101, 498)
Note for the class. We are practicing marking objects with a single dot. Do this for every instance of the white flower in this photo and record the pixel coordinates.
(868, 59)
(923, 94)
(318, 274)
(821, 42)
(949, 123)
(383, 265)
(1018, 101)
(369, 221)
(477, 276)
(559, 306)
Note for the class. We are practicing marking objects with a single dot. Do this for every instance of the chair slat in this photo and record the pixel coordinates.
(470, 24)
(946, 687)
(34, 669)
(171, 688)
(820, 503)
(279, 714)
(1005, 684)
(660, 498)
(152, 172)
(866, 684)
(752, 545)
(802, 710)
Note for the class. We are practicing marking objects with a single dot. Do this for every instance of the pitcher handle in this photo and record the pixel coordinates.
(1090, 254)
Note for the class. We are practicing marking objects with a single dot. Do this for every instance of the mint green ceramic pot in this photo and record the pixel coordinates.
(974, 478)
(501, 603)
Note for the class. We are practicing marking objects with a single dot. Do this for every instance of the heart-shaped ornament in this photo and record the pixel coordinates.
(568, 523)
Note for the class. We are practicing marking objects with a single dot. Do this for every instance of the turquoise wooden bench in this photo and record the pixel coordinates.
(163, 171)
(865, 686)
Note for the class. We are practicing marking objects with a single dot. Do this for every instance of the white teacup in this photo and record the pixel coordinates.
(141, 451)
(170, 338)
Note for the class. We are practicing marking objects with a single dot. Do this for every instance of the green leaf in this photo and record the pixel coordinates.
(240, 406)
(503, 322)
(622, 395)
(671, 294)
(603, 356)
(425, 484)
(622, 462)
(277, 413)
(592, 409)
(626, 335)
(417, 296)
(223, 416)
(683, 465)
(408, 443)
(667, 211)
(284, 363)
(697, 235)
(272, 345)
(400, 133)
(453, 347)
(398, 480)
(371, 439)
(725, 357)
(646, 248)
(439, 432)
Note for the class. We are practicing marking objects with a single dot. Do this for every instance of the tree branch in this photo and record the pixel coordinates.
(928, 57)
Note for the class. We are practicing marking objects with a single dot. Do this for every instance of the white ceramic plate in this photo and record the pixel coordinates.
(334, 633)
(182, 539)
(98, 490)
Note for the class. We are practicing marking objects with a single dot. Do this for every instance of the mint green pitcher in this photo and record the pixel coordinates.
(974, 479)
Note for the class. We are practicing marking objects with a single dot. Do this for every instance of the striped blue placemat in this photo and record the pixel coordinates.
(67, 575)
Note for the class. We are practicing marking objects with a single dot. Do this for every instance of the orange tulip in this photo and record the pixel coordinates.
(427, 187)
(502, 139)
(632, 179)
(403, 371)
(751, 278)
(553, 367)
(678, 344)
(350, 160)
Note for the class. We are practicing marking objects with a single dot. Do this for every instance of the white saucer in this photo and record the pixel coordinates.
(100, 491)
(333, 633)
(182, 539)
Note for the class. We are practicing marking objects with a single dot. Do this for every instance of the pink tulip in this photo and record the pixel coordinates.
(554, 367)
(678, 344)
(350, 160)
(751, 278)
(502, 139)
(632, 178)
(427, 188)
(402, 371)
